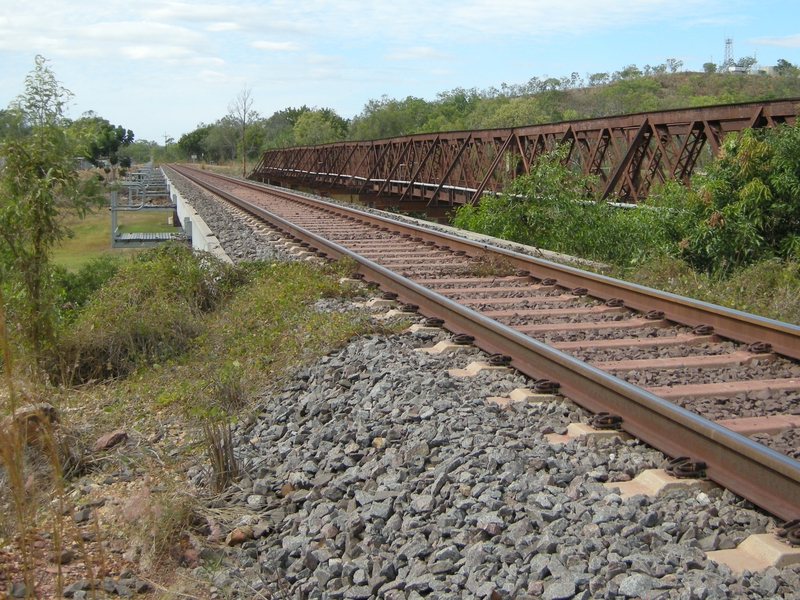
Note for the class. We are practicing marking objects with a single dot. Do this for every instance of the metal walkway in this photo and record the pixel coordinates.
(147, 191)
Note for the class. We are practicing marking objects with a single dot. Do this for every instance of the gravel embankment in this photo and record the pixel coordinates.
(372, 473)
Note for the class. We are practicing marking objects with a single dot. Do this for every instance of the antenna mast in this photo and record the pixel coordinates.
(728, 52)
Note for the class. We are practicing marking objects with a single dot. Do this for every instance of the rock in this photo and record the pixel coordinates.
(18, 590)
(491, 523)
(423, 503)
(239, 536)
(81, 516)
(109, 440)
(63, 558)
(635, 586)
(559, 590)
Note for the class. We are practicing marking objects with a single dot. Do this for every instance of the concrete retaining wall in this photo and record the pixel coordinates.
(197, 231)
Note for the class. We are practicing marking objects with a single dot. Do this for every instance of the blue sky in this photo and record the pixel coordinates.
(161, 67)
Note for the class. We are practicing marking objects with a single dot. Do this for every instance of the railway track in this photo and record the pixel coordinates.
(715, 386)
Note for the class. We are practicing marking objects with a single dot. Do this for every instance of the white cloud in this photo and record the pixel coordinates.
(277, 46)
(787, 41)
(417, 53)
(223, 26)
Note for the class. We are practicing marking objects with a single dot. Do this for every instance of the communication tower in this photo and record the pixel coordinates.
(728, 52)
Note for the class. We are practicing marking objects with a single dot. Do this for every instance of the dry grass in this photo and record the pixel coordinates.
(769, 288)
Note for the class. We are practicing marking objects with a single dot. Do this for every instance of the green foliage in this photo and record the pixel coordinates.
(12, 124)
(746, 205)
(319, 127)
(192, 143)
(77, 288)
(99, 140)
(548, 208)
(390, 118)
(769, 288)
(38, 186)
(195, 333)
(148, 312)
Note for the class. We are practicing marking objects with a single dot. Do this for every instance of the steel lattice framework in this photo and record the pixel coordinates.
(627, 154)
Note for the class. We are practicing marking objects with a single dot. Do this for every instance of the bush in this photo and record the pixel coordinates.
(76, 288)
(746, 206)
(549, 208)
(148, 312)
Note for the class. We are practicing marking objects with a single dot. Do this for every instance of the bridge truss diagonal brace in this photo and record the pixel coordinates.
(450, 168)
(633, 149)
(420, 167)
(490, 171)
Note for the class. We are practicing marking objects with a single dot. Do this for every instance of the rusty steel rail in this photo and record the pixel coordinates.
(627, 154)
(762, 475)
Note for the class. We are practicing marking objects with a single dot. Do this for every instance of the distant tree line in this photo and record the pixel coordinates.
(539, 100)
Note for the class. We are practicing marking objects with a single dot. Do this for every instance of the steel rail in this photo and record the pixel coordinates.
(761, 475)
(727, 322)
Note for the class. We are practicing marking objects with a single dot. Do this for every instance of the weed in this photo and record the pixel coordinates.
(768, 288)
(219, 448)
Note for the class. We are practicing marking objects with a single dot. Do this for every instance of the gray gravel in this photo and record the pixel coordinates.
(236, 237)
(404, 483)
(372, 473)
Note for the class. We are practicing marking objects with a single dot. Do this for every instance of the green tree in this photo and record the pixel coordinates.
(787, 69)
(319, 127)
(747, 62)
(221, 141)
(39, 184)
(709, 67)
(192, 143)
(98, 140)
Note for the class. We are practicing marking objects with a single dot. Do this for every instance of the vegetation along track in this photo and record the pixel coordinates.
(691, 379)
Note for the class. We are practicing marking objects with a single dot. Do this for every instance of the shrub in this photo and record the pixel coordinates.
(746, 205)
(148, 312)
(549, 208)
(76, 288)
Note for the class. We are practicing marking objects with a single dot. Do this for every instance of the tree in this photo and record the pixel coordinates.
(745, 204)
(746, 62)
(221, 141)
(39, 184)
(673, 64)
(98, 140)
(787, 69)
(192, 143)
(598, 79)
(319, 127)
(241, 112)
(710, 67)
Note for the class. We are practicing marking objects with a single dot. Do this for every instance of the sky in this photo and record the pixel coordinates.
(161, 67)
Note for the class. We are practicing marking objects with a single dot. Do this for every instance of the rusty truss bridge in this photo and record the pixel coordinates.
(627, 154)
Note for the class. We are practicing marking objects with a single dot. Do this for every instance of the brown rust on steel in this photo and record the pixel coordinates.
(637, 150)
(763, 476)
